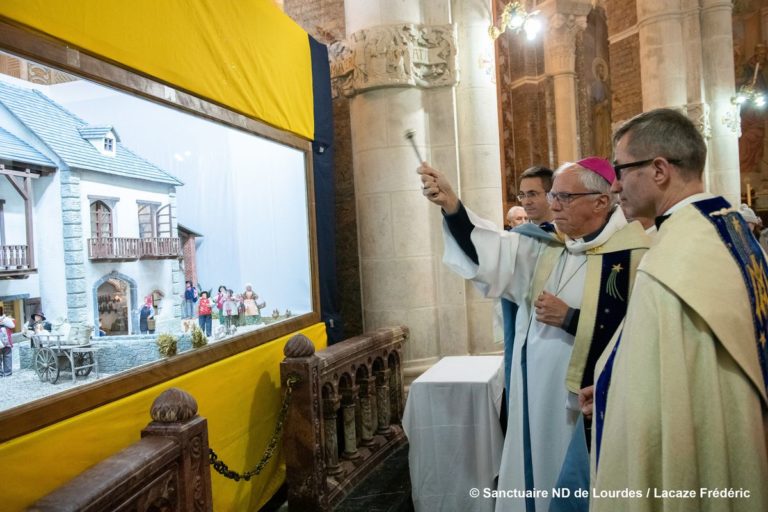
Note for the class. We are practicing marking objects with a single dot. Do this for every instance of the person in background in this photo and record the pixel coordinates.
(249, 302)
(752, 220)
(37, 324)
(190, 297)
(516, 216)
(204, 310)
(147, 313)
(221, 296)
(7, 324)
(230, 312)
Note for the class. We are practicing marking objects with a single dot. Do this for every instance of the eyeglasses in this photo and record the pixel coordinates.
(530, 195)
(565, 198)
(641, 163)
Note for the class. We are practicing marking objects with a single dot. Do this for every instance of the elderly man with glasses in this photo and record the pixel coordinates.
(591, 268)
(680, 400)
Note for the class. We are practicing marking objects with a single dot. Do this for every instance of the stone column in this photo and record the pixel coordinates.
(565, 22)
(74, 252)
(382, 401)
(397, 65)
(331, 441)
(367, 410)
(350, 431)
(479, 163)
(662, 57)
(177, 277)
(717, 52)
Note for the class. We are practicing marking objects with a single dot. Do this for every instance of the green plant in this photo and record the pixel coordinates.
(198, 338)
(167, 344)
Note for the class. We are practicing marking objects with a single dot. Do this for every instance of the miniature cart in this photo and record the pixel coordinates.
(53, 353)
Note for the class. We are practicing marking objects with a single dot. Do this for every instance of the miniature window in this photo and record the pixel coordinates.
(147, 220)
(223, 203)
(101, 220)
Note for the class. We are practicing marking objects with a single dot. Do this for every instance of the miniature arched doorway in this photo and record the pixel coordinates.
(114, 303)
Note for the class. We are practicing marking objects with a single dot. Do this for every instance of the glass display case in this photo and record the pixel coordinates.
(133, 209)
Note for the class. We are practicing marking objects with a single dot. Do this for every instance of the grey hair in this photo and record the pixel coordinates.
(666, 133)
(590, 179)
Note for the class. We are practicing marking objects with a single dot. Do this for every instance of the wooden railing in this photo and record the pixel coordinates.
(344, 416)
(115, 248)
(160, 247)
(13, 257)
(166, 470)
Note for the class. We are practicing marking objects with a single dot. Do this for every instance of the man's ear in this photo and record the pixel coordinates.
(662, 171)
(604, 201)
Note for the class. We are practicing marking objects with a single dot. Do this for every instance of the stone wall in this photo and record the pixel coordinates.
(627, 97)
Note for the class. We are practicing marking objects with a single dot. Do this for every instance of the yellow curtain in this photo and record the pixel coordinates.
(240, 397)
(245, 54)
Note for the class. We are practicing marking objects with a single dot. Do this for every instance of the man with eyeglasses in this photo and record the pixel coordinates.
(534, 184)
(591, 268)
(680, 400)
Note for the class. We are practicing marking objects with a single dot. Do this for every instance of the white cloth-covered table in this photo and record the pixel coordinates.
(452, 423)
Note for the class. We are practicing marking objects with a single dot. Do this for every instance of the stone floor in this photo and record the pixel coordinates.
(387, 489)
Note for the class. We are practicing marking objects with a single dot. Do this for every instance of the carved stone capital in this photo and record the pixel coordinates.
(560, 42)
(400, 55)
(698, 113)
(732, 120)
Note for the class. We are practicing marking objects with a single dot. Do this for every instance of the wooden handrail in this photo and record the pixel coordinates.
(166, 470)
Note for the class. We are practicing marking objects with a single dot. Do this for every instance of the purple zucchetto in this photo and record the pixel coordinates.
(599, 166)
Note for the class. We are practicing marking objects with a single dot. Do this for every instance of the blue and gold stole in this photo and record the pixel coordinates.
(745, 250)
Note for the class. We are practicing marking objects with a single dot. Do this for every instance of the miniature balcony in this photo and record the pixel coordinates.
(130, 249)
(14, 262)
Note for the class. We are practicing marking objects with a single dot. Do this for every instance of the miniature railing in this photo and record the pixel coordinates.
(160, 247)
(345, 414)
(114, 248)
(166, 470)
(13, 257)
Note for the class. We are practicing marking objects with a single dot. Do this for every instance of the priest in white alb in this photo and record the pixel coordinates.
(589, 265)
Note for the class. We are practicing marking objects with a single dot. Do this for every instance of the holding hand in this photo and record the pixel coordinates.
(550, 310)
(586, 399)
(437, 189)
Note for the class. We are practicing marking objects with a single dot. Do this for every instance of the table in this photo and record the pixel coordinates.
(452, 422)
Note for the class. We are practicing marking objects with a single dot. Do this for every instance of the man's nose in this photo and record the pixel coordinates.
(616, 186)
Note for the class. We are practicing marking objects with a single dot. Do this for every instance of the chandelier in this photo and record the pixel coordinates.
(749, 93)
(515, 18)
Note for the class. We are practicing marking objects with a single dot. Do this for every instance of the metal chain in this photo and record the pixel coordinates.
(224, 470)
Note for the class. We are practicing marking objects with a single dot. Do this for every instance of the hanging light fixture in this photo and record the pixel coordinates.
(749, 93)
(517, 19)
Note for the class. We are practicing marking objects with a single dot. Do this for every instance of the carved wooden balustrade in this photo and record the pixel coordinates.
(344, 417)
(13, 256)
(166, 470)
(128, 249)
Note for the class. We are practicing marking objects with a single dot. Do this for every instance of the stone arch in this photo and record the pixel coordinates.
(131, 293)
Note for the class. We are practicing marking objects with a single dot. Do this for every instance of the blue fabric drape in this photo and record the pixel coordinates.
(325, 192)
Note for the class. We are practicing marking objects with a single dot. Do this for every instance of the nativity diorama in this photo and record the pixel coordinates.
(121, 220)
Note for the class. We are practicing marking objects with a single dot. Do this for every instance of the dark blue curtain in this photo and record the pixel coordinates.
(325, 191)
